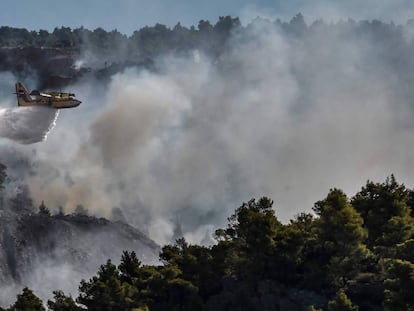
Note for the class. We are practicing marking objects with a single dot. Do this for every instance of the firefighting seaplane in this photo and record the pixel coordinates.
(57, 100)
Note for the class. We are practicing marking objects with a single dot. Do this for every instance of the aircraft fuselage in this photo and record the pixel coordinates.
(57, 100)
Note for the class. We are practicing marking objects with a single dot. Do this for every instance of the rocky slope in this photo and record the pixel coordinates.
(54, 252)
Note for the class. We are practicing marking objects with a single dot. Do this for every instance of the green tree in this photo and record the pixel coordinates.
(294, 250)
(341, 302)
(42, 37)
(399, 285)
(195, 264)
(250, 237)
(163, 288)
(386, 214)
(129, 267)
(99, 38)
(180, 294)
(62, 302)
(64, 37)
(226, 24)
(405, 250)
(340, 238)
(27, 301)
(397, 230)
(105, 291)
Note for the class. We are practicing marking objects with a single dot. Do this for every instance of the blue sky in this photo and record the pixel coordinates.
(128, 15)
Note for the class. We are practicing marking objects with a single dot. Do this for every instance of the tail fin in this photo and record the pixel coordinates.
(23, 97)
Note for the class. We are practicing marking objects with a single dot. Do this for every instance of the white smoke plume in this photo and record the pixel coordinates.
(184, 146)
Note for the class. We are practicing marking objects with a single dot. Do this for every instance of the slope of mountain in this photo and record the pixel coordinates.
(48, 252)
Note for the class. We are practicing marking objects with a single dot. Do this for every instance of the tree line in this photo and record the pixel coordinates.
(349, 254)
(150, 41)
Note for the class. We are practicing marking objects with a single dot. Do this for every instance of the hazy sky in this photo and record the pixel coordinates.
(128, 15)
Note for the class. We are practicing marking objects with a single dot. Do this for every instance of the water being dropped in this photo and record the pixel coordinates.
(27, 125)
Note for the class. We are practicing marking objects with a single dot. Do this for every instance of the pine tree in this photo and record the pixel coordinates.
(251, 234)
(341, 302)
(104, 291)
(129, 267)
(399, 285)
(27, 301)
(62, 302)
(340, 238)
(385, 210)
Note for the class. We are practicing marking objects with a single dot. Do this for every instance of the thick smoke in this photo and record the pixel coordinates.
(274, 116)
(177, 150)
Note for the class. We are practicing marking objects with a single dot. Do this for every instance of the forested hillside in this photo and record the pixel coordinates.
(63, 56)
(349, 254)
